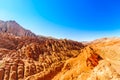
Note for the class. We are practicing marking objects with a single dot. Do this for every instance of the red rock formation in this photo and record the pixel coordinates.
(24, 57)
(22, 54)
(1, 73)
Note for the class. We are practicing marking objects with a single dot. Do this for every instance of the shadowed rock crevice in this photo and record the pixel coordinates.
(93, 59)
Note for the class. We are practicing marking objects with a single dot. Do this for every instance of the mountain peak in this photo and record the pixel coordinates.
(14, 28)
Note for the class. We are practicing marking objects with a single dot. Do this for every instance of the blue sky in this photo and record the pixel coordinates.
(79, 20)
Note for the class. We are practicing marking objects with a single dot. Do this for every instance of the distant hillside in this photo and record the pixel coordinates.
(14, 28)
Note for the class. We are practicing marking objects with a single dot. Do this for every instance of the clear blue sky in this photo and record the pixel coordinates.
(73, 19)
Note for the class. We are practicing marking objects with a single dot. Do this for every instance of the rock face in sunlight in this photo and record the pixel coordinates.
(25, 56)
(97, 61)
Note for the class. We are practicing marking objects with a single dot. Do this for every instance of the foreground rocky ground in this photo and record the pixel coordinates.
(25, 56)
(100, 60)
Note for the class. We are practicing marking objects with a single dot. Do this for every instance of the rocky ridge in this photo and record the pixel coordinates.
(23, 57)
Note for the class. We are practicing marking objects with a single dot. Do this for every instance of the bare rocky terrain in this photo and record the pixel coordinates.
(26, 56)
